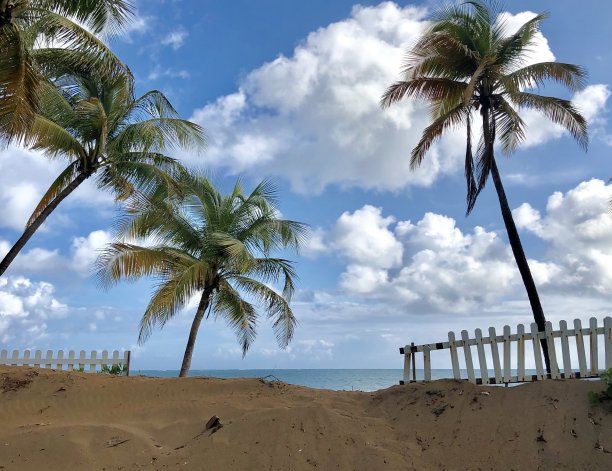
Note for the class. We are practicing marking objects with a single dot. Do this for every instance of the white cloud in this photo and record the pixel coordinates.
(364, 238)
(159, 72)
(578, 228)
(25, 176)
(25, 308)
(315, 243)
(432, 266)
(85, 250)
(314, 117)
(175, 39)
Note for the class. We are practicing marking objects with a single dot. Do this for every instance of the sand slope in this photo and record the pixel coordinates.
(63, 421)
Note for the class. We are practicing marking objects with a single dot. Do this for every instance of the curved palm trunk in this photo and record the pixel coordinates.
(513, 235)
(32, 228)
(521, 260)
(193, 333)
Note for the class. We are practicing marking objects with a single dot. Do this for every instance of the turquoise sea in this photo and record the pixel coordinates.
(336, 379)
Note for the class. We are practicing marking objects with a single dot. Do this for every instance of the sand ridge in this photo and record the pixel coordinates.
(63, 421)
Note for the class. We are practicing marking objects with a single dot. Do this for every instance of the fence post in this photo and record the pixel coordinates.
(482, 358)
(608, 341)
(520, 353)
(495, 355)
(567, 362)
(594, 350)
(453, 354)
(537, 351)
(467, 352)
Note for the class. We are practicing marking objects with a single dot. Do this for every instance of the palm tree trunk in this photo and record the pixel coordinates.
(32, 228)
(193, 333)
(488, 129)
(521, 260)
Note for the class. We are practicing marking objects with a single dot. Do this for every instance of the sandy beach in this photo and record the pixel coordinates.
(64, 421)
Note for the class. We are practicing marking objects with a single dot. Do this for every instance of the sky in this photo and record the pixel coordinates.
(289, 90)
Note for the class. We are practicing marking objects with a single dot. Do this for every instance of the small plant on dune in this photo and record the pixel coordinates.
(115, 370)
(603, 396)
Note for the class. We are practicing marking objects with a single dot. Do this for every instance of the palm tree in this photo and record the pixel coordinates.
(96, 125)
(465, 61)
(210, 246)
(38, 38)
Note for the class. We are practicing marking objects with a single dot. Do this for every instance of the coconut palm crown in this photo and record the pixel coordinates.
(464, 63)
(96, 125)
(40, 39)
(215, 248)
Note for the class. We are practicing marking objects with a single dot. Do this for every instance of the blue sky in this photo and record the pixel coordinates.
(289, 90)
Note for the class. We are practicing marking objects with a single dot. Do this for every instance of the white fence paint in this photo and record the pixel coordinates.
(516, 343)
(70, 361)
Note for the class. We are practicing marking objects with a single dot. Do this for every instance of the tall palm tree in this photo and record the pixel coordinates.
(465, 62)
(100, 129)
(214, 247)
(39, 36)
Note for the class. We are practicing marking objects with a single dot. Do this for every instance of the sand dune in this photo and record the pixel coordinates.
(77, 421)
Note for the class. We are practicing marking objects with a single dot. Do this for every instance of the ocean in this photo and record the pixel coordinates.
(335, 379)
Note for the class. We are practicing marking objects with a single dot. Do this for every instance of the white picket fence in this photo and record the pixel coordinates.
(70, 361)
(503, 373)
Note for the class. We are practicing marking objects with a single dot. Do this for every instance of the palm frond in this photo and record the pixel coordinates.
(435, 130)
(559, 111)
(239, 314)
(426, 88)
(276, 307)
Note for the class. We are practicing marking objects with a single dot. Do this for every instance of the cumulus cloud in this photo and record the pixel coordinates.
(175, 39)
(85, 250)
(578, 229)
(430, 264)
(25, 176)
(433, 266)
(25, 308)
(314, 117)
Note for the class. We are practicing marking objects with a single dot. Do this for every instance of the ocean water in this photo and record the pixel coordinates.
(335, 379)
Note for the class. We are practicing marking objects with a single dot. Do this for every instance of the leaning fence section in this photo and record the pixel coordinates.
(59, 360)
(573, 353)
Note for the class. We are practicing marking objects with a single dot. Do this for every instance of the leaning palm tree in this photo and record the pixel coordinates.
(39, 37)
(215, 248)
(100, 129)
(465, 62)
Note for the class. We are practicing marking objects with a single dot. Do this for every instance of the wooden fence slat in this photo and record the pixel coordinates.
(26, 358)
(594, 350)
(37, 358)
(507, 354)
(520, 352)
(567, 362)
(537, 351)
(608, 341)
(482, 358)
(92, 365)
(552, 353)
(407, 354)
(82, 358)
(60, 360)
(104, 358)
(48, 359)
(467, 352)
(426, 364)
(580, 348)
(3, 357)
(15, 359)
(495, 355)
(115, 360)
(453, 354)
(71, 360)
